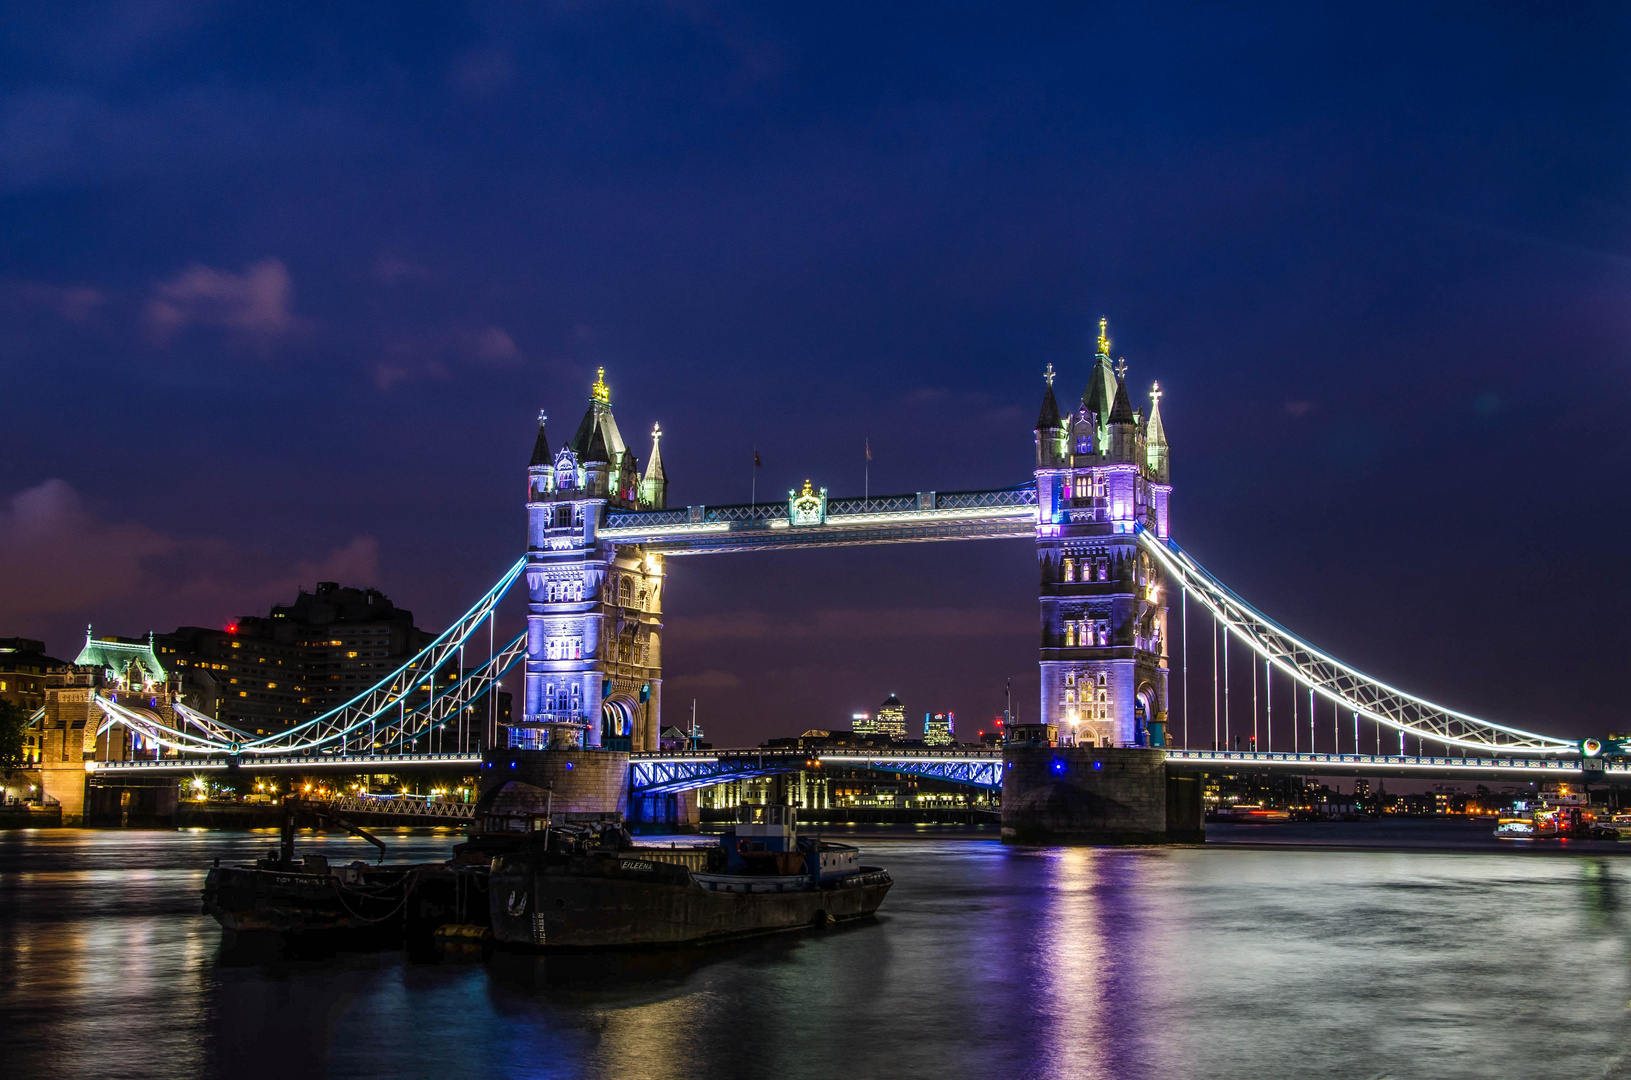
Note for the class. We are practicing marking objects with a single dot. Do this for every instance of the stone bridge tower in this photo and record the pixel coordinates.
(594, 610)
(1101, 469)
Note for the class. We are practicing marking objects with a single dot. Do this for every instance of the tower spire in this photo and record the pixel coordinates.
(1104, 338)
(540, 449)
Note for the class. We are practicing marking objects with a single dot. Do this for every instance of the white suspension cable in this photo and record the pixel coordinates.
(1339, 683)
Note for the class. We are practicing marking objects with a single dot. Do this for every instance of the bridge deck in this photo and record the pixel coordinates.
(884, 519)
(661, 772)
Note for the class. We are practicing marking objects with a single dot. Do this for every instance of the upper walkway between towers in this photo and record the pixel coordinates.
(808, 518)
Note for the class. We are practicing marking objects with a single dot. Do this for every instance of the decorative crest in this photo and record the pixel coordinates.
(600, 391)
(1048, 375)
(542, 416)
(1155, 392)
(656, 432)
(1104, 337)
(1121, 368)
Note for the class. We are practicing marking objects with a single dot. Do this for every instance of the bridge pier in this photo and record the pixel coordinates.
(1097, 795)
(583, 781)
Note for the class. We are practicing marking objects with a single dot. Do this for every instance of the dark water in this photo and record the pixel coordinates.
(1435, 955)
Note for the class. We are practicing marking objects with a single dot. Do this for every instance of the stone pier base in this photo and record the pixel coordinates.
(585, 781)
(1092, 795)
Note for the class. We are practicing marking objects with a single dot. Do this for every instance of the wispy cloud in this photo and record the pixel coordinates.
(255, 302)
(58, 557)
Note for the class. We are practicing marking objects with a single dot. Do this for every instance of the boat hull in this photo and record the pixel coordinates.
(623, 901)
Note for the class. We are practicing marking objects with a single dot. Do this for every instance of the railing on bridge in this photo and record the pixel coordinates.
(660, 774)
(884, 519)
(405, 807)
(1276, 761)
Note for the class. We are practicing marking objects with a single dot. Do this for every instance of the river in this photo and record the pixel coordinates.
(1337, 951)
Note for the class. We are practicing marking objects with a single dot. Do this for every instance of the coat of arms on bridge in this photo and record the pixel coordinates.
(807, 507)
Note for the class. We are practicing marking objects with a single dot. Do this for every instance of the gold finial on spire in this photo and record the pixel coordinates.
(656, 432)
(600, 391)
(1104, 337)
(1048, 375)
(806, 490)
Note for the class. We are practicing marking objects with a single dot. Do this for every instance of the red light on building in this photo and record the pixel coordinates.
(231, 628)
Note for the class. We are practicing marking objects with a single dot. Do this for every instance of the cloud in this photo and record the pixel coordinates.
(708, 680)
(495, 345)
(62, 564)
(255, 302)
(859, 623)
(413, 359)
(76, 303)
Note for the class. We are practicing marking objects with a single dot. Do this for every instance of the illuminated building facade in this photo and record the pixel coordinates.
(939, 729)
(1101, 469)
(266, 673)
(594, 611)
(890, 719)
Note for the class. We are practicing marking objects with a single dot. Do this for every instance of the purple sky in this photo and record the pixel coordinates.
(282, 290)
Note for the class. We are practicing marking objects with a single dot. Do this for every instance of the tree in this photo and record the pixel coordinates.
(13, 723)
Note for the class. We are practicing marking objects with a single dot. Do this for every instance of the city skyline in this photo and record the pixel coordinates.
(241, 368)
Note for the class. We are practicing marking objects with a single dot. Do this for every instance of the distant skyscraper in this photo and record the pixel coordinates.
(891, 719)
(940, 729)
(862, 724)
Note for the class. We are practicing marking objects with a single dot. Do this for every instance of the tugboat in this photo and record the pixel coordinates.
(369, 904)
(591, 888)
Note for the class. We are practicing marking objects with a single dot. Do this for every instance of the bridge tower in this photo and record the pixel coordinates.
(1101, 470)
(594, 610)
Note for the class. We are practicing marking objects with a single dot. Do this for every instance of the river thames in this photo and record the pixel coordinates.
(1353, 951)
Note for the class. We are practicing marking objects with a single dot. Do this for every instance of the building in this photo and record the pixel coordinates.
(890, 719)
(263, 674)
(23, 668)
(940, 729)
(862, 724)
(1102, 472)
(594, 613)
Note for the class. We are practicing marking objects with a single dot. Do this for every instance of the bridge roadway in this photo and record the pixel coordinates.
(824, 522)
(667, 772)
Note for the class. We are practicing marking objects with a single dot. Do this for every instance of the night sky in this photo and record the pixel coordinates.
(283, 289)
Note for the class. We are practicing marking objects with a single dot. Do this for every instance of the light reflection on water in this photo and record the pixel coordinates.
(989, 962)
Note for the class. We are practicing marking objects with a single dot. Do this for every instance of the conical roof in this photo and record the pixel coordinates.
(1049, 417)
(596, 450)
(1101, 388)
(540, 449)
(654, 468)
(1122, 411)
(1154, 432)
(893, 702)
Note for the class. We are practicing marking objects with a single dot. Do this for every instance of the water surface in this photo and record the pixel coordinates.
(1332, 952)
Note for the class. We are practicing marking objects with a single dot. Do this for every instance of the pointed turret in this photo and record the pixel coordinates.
(541, 469)
(1101, 381)
(654, 485)
(1049, 428)
(540, 448)
(1155, 440)
(1122, 411)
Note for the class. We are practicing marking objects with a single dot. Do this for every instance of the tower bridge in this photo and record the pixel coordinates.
(1121, 668)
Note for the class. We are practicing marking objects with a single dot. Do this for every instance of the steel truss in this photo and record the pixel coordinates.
(1335, 681)
(359, 724)
(979, 770)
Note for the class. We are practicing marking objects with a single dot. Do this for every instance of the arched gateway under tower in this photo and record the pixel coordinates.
(599, 531)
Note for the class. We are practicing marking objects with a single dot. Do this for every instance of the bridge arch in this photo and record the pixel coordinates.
(617, 715)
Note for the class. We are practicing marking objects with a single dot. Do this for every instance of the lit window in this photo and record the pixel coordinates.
(242, 693)
(351, 655)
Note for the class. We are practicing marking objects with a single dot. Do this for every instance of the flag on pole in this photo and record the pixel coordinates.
(756, 462)
(868, 443)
